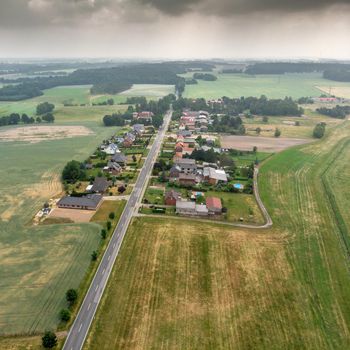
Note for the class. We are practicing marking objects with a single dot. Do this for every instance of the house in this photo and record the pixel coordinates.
(187, 151)
(146, 116)
(171, 197)
(111, 149)
(214, 176)
(185, 207)
(187, 165)
(88, 166)
(89, 202)
(184, 133)
(113, 168)
(214, 205)
(129, 139)
(119, 158)
(187, 179)
(174, 172)
(138, 128)
(190, 141)
(100, 185)
(201, 210)
(207, 148)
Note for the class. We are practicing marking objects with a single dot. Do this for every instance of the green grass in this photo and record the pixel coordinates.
(38, 263)
(273, 86)
(154, 196)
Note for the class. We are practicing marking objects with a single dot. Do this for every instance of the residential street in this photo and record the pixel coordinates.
(81, 325)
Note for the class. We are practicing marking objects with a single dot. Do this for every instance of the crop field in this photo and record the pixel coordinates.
(272, 86)
(150, 91)
(38, 263)
(189, 285)
(287, 125)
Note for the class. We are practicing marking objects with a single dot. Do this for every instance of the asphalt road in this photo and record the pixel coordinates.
(80, 328)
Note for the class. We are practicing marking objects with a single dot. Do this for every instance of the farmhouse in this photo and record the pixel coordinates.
(191, 208)
(100, 185)
(146, 116)
(171, 197)
(214, 205)
(89, 202)
(174, 172)
(129, 139)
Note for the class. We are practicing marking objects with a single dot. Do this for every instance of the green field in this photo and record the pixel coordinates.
(38, 263)
(273, 86)
(189, 285)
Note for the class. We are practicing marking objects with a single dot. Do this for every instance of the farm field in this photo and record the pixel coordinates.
(185, 284)
(264, 144)
(38, 263)
(272, 86)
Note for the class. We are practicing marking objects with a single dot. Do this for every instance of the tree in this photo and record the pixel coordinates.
(319, 130)
(94, 255)
(258, 130)
(134, 159)
(65, 315)
(49, 118)
(73, 171)
(255, 149)
(38, 120)
(25, 119)
(71, 296)
(44, 108)
(121, 189)
(111, 215)
(49, 340)
(265, 119)
(103, 233)
(110, 101)
(109, 225)
(277, 132)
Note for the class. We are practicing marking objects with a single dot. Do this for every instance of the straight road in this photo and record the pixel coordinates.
(79, 330)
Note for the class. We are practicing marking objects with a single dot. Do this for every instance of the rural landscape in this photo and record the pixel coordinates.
(172, 200)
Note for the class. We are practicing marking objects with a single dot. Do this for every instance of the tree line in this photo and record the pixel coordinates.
(339, 112)
(43, 111)
(204, 76)
(109, 80)
(337, 74)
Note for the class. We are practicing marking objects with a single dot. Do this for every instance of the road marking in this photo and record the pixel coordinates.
(109, 258)
(96, 288)
(113, 245)
(89, 306)
(103, 272)
(80, 327)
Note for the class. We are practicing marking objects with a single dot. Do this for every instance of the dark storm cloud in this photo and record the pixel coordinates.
(229, 8)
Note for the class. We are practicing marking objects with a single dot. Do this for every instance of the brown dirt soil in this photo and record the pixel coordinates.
(34, 134)
(72, 214)
(264, 144)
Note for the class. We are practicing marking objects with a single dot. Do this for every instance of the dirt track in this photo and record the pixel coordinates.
(264, 144)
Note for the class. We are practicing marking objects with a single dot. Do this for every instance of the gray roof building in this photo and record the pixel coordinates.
(89, 202)
(100, 185)
(119, 158)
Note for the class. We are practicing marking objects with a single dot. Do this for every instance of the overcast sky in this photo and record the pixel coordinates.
(175, 28)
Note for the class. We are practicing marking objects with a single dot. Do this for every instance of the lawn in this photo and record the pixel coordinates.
(273, 86)
(188, 285)
(107, 207)
(154, 196)
(38, 263)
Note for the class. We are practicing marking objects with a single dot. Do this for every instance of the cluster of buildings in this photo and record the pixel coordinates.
(186, 172)
(194, 121)
(212, 206)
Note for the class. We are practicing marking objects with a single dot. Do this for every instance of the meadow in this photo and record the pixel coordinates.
(189, 285)
(39, 263)
(272, 86)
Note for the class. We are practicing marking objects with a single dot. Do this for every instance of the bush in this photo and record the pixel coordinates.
(109, 225)
(104, 233)
(94, 255)
(49, 340)
(111, 216)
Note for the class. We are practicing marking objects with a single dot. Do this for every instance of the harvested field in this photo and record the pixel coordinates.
(34, 134)
(339, 91)
(74, 215)
(264, 144)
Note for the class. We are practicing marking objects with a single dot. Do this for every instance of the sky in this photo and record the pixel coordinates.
(175, 29)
